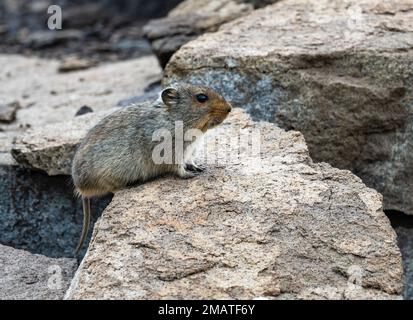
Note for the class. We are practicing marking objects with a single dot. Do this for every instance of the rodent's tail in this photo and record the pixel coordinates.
(86, 222)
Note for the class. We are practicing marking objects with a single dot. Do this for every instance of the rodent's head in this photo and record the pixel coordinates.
(198, 106)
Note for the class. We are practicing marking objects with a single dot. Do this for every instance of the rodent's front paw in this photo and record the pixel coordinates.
(194, 167)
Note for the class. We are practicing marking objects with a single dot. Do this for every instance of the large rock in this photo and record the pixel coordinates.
(33, 277)
(192, 18)
(341, 72)
(52, 147)
(8, 111)
(47, 96)
(40, 213)
(262, 224)
(405, 242)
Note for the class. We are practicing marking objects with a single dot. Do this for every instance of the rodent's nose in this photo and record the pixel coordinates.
(229, 108)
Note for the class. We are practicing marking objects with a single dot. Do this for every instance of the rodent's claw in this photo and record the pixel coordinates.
(200, 168)
(189, 174)
(184, 172)
(194, 167)
(189, 167)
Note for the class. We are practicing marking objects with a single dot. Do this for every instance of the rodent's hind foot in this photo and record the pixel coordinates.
(194, 167)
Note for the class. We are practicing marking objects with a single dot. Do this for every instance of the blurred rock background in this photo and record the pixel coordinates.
(96, 29)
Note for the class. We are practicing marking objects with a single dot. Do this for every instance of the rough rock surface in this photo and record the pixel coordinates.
(192, 18)
(104, 30)
(40, 213)
(405, 241)
(30, 276)
(341, 72)
(8, 111)
(47, 96)
(269, 224)
(74, 63)
(52, 147)
(403, 225)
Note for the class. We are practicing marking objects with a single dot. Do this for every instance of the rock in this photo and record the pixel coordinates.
(55, 97)
(47, 38)
(83, 110)
(339, 72)
(192, 18)
(41, 214)
(165, 47)
(3, 29)
(140, 45)
(52, 147)
(84, 15)
(48, 97)
(405, 242)
(143, 9)
(151, 93)
(26, 276)
(75, 64)
(85, 24)
(267, 224)
(403, 225)
(39, 6)
(8, 111)
(217, 6)
(6, 143)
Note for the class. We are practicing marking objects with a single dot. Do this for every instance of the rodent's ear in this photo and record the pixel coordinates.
(170, 96)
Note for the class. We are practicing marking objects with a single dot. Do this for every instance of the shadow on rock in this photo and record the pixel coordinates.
(40, 214)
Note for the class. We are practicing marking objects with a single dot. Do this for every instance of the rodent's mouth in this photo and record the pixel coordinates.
(216, 119)
(214, 122)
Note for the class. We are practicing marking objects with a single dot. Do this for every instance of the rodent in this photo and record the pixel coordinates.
(117, 152)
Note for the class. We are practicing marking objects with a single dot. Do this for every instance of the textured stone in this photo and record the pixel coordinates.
(83, 110)
(6, 143)
(8, 111)
(84, 15)
(46, 38)
(271, 224)
(151, 94)
(341, 72)
(47, 96)
(192, 18)
(405, 242)
(74, 64)
(26, 276)
(39, 213)
(52, 147)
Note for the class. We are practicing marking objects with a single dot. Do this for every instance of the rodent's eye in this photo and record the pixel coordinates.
(201, 98)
